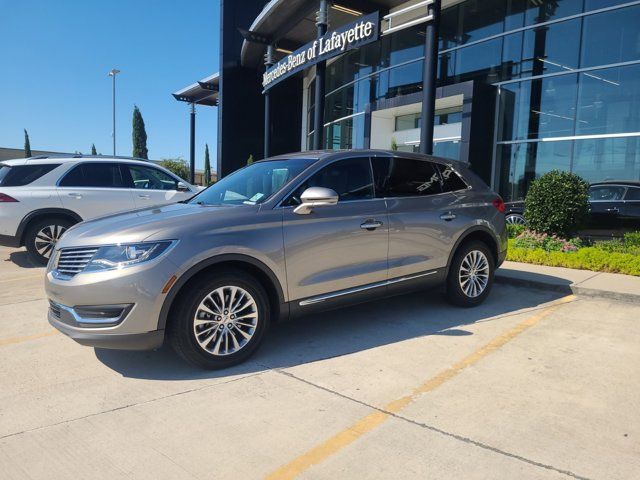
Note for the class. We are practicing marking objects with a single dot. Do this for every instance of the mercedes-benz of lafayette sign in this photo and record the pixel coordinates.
(352, 35)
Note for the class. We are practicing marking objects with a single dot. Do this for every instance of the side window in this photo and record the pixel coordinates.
(451, 181)
(633, 193)
(149, 178)
(350, 179)
(24, 174)
(100, 175)
(409, 178)
(606, 193)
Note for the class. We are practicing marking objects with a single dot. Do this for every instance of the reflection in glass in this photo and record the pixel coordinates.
(607, 159)
(611, 37)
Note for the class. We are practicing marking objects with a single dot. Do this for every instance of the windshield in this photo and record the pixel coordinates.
(253, 184)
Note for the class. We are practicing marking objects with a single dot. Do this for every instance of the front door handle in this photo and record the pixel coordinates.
(613, 210)
(75, 195)
(144, 196)
(370, 225)
(447, 217)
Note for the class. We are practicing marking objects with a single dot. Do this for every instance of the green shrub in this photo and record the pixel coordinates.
(549, 243)
(632, 239)
(588, 258)
(514, 230)
(557, 203)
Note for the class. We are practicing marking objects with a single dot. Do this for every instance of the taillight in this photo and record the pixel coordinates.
(499, 204)
(6, 198)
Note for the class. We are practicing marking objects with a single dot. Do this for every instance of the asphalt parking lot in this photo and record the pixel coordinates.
(530, 385)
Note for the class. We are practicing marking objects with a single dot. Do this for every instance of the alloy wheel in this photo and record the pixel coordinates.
(474, 274)
(515, 219)
(47, 237)
(225, 321)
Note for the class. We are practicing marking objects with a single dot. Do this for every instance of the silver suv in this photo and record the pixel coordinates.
(282, 237)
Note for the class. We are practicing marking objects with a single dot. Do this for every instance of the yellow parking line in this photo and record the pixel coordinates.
(26, 338)
(349, 435)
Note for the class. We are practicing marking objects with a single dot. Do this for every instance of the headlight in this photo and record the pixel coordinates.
(126, 255)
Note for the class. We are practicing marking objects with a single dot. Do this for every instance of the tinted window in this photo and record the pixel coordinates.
(104, 175)
(350, 179)
(23, 174)
(451, 181)
(403, 177)
(606, 193)
(148, 178)
(633, 193)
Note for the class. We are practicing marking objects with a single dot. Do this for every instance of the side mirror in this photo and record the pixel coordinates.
(182, 187)
(315, 197)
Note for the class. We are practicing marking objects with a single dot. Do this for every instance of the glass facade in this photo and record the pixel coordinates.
(566, 71)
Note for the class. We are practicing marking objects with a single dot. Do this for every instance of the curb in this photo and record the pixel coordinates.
(568, 288)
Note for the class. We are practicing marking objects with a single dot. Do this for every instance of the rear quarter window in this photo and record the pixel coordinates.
(18, 176)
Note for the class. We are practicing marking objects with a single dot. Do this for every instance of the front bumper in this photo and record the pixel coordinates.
(138, 288)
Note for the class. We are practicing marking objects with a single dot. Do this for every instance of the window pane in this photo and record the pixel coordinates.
(607, 159)
(606, 193)
(21, 175)
(345, 134)
(538, 108)
(551, 48)
(452, 182)
(408, 177)
(609, 101)
(611, 37)
(151, 179)
(482, 61)
(447, 150)
(480, 19)
(633, 193)
(539, 11)
(350, 179)
(101, 175)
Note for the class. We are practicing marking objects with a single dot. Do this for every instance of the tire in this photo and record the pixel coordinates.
(476, 288)
(515, 219)
(213, 347)
(42, 236)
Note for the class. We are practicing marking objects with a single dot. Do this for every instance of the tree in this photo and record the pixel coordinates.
(250, 159)
(27, 145)
(93, 149)
(394, 144)
(139, 135)
(207, 166)
(176, 165)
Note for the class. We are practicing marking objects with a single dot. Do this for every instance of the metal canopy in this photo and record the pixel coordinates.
(289, 24)
(203, 92)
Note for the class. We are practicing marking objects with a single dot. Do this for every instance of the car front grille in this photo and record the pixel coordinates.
(74, 260)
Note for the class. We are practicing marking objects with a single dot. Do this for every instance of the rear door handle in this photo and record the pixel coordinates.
(613, 210)
(144, 196)
(75, 195)
(447, 217)
(370, 225)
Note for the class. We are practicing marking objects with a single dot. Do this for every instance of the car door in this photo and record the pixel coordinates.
(631, 209)
(606, 206)
(422, 224)
(93, 189)
(336, 247)
(152, 186)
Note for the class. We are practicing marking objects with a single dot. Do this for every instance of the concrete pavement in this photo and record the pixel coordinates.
(531, 384)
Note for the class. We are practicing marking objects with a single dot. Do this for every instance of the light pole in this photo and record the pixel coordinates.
(113, 74)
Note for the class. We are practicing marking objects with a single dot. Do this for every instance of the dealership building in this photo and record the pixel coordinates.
(521, 86)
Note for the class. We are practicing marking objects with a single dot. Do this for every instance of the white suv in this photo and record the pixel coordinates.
(41, 197)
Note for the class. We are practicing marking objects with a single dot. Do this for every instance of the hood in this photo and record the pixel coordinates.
(167, 222)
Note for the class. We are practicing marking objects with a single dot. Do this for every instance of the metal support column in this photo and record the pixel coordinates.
(268, 63)
(429, 79)
(318, 114)
(192, 146)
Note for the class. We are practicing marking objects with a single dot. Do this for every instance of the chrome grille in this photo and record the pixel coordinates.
(73, 260)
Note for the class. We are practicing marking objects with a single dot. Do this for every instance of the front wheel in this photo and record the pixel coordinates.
(220, 321)
(470, 275)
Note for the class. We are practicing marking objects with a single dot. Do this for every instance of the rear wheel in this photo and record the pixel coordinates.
(220, 321)
(42, 236)
(470, 275)
(515, 219)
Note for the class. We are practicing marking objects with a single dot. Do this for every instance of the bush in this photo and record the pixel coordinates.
(632, 239)
(514, 230)
(557, 203)
(177, 166)
(549, 243)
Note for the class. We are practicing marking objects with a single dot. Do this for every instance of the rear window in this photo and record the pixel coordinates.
(99, 175)
(18, 176)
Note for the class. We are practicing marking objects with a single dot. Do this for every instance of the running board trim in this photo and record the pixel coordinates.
(342, 293)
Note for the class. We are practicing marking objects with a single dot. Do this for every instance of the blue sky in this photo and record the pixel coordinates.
(54, 59)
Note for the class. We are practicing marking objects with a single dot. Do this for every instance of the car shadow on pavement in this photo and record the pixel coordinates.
(339, 332)
(21, 259)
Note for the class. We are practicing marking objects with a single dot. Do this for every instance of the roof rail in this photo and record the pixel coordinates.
(80, 155)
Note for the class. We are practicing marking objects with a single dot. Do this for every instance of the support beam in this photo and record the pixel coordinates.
(429, 79)
(268, 63)
(192, 146)
(318, 114)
